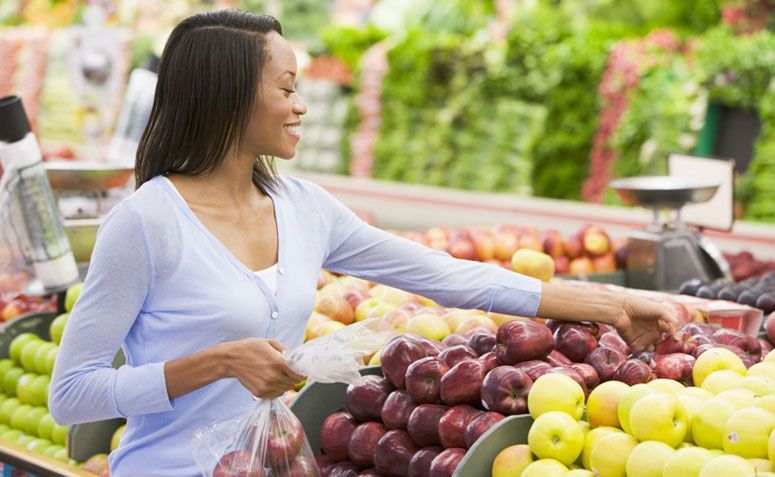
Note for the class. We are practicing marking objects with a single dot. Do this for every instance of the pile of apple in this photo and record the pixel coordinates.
(725, 427)
(588, 251)
(22, 304)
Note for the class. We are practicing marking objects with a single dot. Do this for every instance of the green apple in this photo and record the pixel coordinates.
(699, 393)
(57, 327)
(46, 427)
(709, 422)
(765, 402)
(59, 435)
(626, 402)
(659, 417)
(62, 456)
(770, 358)
(39, 445)
(15, 351)
(610, 454)
(7, 409)
(27, 356)
(739, 397)
(3, 397)
(4, 427)
(580, 473)
(33, 420)
(716, 359)
(591, 439)
(726, 465)
(19, 417)
(556, 392)
(10, 435)
(761, 385)
(116, 439)
(23, 440)
(691, 404)
(11, 380)
(648, 459)
(545, 468)
(603, 402)
(52, 450)
(5, 365)
(71, 296)
(747, 432)
(40, 360)
(51, 357)
(722, 380)
(766, 369)
(509, 462)
(686, 462)
(556, 435)
(761, 465)
(771, 446)
(40, 387)
(24, 388)
(667, 386)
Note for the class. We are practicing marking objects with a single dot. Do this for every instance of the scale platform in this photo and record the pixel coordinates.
(86, 176)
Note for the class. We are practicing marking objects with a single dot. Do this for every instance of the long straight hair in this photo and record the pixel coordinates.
(208, 79)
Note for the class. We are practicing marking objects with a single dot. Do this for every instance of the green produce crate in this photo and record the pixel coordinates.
(83, 440)
(315, 402)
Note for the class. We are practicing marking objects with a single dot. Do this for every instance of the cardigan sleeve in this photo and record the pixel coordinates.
(84, 385)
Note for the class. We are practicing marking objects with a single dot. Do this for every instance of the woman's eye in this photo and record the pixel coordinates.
(289, 91)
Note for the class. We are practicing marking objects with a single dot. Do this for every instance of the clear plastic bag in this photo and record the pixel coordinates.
(269, 441)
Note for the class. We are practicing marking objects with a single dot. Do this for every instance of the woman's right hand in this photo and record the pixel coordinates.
(260, 366)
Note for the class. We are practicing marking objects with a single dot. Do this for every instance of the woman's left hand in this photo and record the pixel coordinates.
(642, 322)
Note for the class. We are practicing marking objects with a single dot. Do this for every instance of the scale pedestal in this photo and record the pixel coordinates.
(667, 253)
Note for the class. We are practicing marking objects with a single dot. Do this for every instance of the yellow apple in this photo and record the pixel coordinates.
(659, 417)
(390, 295)
(500, 319)
(739, 397)
(545, 468)
(648, 459)
(315, 319)
(556, 435)
(709, 422)
(430, 325)
(761, 465)
(771, 446)
(762, 369)
(691, 404)
(761, 385)
(716, 359)
(326, 328)
(770, 358)
(627, 400)
(370, 307)
(556, 392)
(455, 317)
(603, 402)
(722, 380)
(533, 264)
(727, 466)
(376, 358)
(477, 321)
(591, 439)
(512, 461)
(687, 462)
(667, 386)
(610, 454)
(765, 402)
(747, 432)
(579, 473)
(699, 393)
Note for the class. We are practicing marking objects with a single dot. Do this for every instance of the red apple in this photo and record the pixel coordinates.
(302, 466)
(681, 312)
(505, 390)
(396, 410)
(611, 339)
(668, 344)
(343, 469)
(456, 354)
(506, 244)
(675, 366)
(555, 358)
(645, 356)
(574, 343)
(573, 374)
(355, 297)
(453, 424)
(747, 343)
(769, 327)
(431, 348)
(581, 266)
(13, 309)
(240, 463)
(394, 452)
(561, 265)
(463, 383)
(522, 340)
(423, 379)
(588, 372)
(634, 371)
(695, 328)
(455, 339)
(553, 243)
(481, 424)
(444, 464)
(766, 346)
(553, 324)
(596, 242)
(490, 361)
(423, 424)
(485, 247)
(397, 355)
(463, 248)
(286, 437)
(364, 442)
(420, 465)
(482, 341)
(605, 361)
(534, 368)
(369, 473)
(324, 463)
(335, 307)
(335, 435)
(365, 400)
(573, 246)
(605, 263)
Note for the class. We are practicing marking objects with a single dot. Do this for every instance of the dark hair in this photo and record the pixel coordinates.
(208, 79)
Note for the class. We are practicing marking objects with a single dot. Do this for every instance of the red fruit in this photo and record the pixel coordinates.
(482, 341)
(444, 464)
(369, 473)
(747, 343)
(534, 368)
(574, 343)
(420, 465)
(505, 390)
(364, 442)
(522, 340)
(336, 433)
(739, 352)
(396, 357)
(698, 329)
(455, 339)
(588, 372)
(463, 383)
(286, 437)
(555, 358)
(423, 424)
(605, 361)
(490, 361)
(365, 400)
(240, 463)
(397, 409)
(769, 327)
(324, 463)
(301, 466)
(343, 469)
(676, 366)
(423, 379)
(481, 424)
(634, 371)
(614, 341)
(766, 346)
(456, 354)
(394, 452)
(684, 344)
(453, 424)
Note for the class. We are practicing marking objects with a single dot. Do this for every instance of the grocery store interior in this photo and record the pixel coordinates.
(616, 147)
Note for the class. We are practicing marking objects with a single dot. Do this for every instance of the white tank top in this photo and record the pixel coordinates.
(268, 275)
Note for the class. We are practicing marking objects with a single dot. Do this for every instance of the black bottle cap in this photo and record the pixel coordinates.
(13, 120)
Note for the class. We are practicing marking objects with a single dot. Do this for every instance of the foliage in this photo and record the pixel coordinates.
(758, 182)
(349, 43)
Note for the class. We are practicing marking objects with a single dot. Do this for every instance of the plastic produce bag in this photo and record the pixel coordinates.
(269, 441)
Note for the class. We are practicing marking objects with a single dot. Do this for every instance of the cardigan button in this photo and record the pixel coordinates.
(275, 315)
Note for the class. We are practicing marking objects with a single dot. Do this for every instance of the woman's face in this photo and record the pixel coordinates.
(275, 125)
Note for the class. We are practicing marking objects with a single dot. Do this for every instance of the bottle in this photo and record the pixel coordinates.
(27, 198)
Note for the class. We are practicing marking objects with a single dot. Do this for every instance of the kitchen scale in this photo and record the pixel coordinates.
(667, 252)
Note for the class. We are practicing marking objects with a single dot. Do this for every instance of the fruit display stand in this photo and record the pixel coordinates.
(14, 459)
(316, 401)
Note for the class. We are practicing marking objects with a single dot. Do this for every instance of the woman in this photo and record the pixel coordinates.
(208, 270)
